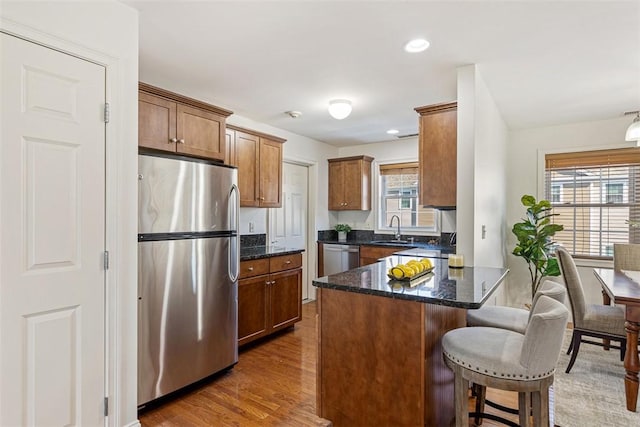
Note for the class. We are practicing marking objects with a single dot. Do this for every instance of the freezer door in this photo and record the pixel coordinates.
(187, 314)
(179, 196)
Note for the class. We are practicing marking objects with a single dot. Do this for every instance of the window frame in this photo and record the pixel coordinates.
(581, 260)
(377, 206)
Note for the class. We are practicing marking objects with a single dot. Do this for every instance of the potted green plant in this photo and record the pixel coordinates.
(342, 230)
(534, 235)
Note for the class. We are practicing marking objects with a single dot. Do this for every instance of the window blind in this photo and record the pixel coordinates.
(594, 195)
(399, 196)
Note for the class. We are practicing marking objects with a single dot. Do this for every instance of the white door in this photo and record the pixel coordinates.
(52, 223)
(288, 224)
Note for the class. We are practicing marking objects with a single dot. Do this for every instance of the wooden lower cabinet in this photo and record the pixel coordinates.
(371, 254)
(269, 296)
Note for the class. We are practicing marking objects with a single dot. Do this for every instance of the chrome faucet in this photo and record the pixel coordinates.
(391, 225)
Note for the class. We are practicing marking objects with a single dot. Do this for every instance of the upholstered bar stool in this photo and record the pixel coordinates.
(511, 318)
(507, 360)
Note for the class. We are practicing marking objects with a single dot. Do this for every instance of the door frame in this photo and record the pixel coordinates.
(120, 339)
(311, 249)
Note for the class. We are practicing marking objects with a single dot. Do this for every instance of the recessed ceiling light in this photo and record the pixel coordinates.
(416, 45)
(393, 131)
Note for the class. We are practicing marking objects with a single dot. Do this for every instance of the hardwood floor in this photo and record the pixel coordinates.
(273, 384)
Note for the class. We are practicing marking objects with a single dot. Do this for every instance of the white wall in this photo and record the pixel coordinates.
(106, 32)
(482, 181)
(525, 174)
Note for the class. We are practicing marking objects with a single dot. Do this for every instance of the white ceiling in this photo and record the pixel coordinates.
(545, 63)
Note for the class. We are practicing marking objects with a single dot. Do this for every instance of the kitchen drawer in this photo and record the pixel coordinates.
(285, 262)
(254, 267)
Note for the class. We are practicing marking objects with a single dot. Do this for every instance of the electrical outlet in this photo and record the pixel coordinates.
(252, 226)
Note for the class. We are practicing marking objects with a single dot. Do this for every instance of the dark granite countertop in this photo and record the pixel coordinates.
(257, 252)
(410, 245)
(467, 287)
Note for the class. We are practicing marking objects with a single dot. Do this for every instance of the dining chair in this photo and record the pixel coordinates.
(626, 256)
(512, 318)
(507, 360)
(590, 320)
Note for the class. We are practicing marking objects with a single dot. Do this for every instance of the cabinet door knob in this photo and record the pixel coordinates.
(181, 141)
(260, 198)
(250, 268)
(173, 140)
(273, 282)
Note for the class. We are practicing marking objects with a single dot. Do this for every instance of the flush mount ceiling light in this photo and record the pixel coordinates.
(416, 45)
(393, 131)
(633, 131)
(339, 108)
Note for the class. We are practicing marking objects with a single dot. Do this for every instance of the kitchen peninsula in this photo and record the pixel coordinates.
(379, 341)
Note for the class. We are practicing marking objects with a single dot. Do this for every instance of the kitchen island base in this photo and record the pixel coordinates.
(380, 360)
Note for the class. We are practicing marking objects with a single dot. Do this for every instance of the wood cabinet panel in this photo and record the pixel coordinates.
(230, 141)
(200, 133)
(285, 262)
(248, 155)
(255, 267)
(371, 254)
(270, 174)
(174, 123)
(156, 123)
(350, 183)
(286, 298)
(352, 384)
(253, 308)
(438, 155)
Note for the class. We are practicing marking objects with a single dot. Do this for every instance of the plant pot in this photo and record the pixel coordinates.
(342, 236)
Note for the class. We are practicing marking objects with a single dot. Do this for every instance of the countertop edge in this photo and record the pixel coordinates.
(268, 254)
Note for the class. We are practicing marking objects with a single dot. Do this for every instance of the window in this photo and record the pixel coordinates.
(594, 195)
(399, 190)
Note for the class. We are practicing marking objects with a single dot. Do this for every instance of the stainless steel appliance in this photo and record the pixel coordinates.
(188, 255)
(339, 258)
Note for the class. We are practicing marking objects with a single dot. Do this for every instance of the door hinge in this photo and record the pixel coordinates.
(106, 260)
(107, 112)
(106, 406)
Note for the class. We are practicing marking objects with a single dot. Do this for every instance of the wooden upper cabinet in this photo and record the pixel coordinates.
(200, 133)
(350, 183)
(270, 173)
(438, 155)
(230, 140)
(156, 123)
(259, 161)
(177, 124)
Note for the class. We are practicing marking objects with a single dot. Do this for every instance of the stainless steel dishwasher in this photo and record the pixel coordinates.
(339, 258)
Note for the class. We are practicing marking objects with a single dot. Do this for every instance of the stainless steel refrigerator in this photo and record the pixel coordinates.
(188, 256)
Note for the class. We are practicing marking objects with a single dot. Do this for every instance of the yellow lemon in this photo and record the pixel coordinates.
(408, 271)
(426, 262)
(416, 265)
(396, 272)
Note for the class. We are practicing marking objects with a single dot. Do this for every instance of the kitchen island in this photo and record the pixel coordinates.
(379, 342)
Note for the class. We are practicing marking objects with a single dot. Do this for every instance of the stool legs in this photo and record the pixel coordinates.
(481, 395)
(524, 408)
(460, 390)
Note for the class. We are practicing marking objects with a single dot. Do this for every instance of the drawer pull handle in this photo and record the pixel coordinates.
(250, 268)
(288, 261)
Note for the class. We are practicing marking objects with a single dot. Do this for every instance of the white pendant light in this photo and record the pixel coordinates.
(339, 108)
(633, 131)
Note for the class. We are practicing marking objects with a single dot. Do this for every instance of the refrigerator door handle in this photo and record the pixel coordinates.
(234, 256)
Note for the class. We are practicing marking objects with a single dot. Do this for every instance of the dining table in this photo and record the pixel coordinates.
(623, 287)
